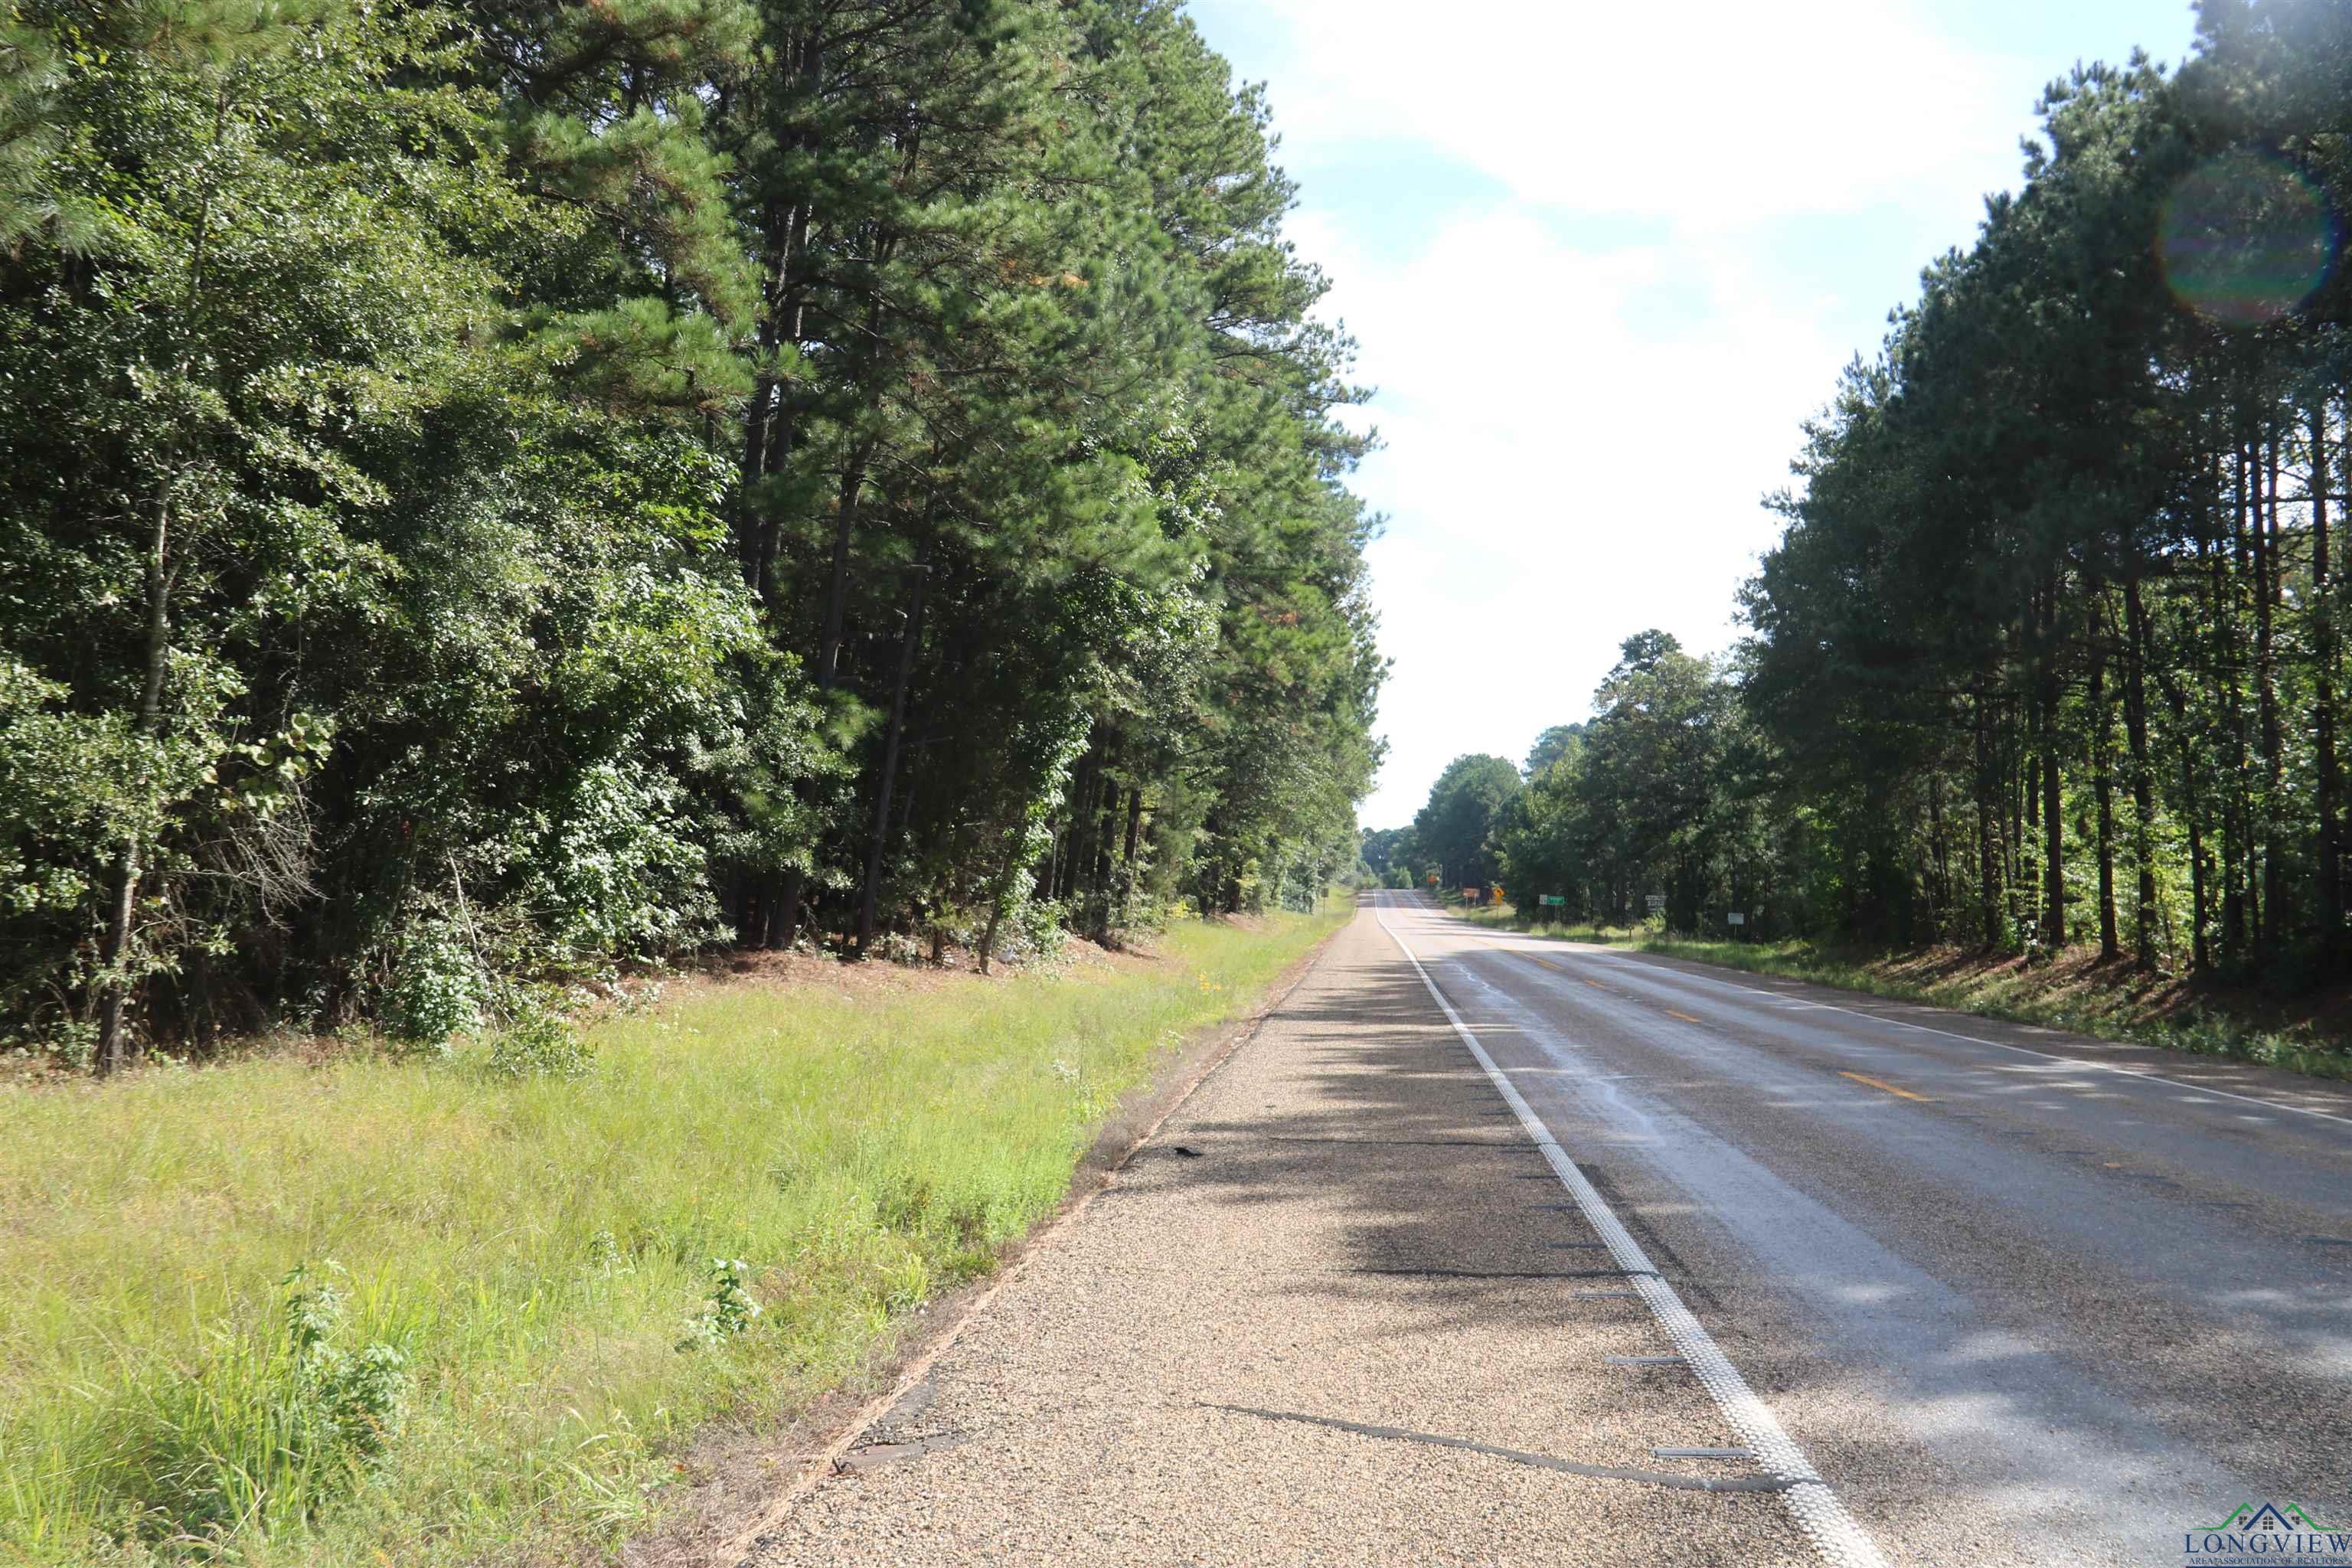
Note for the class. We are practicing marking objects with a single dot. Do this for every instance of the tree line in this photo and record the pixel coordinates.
(492, 492)
(2050, 648)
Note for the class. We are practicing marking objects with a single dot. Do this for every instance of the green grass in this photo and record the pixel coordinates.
(2109, 1011)
(510, 1316)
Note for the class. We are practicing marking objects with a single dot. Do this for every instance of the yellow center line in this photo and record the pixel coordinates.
(1889, 1087)
(1596, 985)
(1547, 962)
(1686, 1017)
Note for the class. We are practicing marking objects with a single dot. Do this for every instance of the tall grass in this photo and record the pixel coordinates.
(371, 1313)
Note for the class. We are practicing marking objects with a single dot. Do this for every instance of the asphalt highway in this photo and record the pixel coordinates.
(1487, 1248)
(2021, 1295)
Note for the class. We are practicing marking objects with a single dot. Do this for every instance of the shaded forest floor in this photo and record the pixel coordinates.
(2308, 1032)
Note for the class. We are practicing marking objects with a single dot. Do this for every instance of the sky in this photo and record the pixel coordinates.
(1603, 262)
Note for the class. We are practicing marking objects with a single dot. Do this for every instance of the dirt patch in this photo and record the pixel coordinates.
(880, 977)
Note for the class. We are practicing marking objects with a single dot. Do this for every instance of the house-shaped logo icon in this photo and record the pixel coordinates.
(2272, 1519)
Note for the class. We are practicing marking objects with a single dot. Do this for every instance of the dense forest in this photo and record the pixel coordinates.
(491, 493)
(2052, 648)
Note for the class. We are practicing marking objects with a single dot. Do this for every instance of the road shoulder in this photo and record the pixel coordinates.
(740, 1478)
(1338, 1308)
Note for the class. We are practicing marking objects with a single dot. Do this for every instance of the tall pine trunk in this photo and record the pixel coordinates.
(2266, 598)
(2142, 781)
(910, 640)
(1127, 869)
(2102, 790)
(2225, 657)
(2193, 809)
(1989, 835)
(2330, 886)
(2054, 806)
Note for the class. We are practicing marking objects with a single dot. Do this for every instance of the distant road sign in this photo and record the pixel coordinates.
(1736, 918)
(1552, 901)
(1657, 902)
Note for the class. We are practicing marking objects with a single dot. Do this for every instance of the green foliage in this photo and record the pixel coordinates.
(539, 1045)
(344, 1404)
(501, 492)
(1656, 795)
(270, 1429)
(2051, 647)
(1470, 802)
(730, 1311)
(437, 988)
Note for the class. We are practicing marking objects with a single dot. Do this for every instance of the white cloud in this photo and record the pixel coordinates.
(1710, 113)
(1603, 260)
(1559, 475)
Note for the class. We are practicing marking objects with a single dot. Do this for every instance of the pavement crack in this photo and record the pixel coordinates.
(1518, 1455)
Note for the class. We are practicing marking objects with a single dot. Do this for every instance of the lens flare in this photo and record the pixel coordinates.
(2246, 238)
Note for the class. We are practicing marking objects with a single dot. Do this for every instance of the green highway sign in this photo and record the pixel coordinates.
(1553, 899)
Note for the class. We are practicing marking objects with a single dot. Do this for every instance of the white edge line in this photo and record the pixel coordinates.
(1812, 1502)
(1972, 1039)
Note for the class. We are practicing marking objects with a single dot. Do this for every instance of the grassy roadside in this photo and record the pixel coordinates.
(2117, 1005)
(515, 1296)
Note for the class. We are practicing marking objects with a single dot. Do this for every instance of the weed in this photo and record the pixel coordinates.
(899, 948)
(729, 1311)
(540, 1044)
(436, 988)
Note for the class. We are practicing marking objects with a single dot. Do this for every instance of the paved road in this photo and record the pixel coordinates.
(1964, 1292)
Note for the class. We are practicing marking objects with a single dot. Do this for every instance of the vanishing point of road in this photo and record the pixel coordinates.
(1486, 1248)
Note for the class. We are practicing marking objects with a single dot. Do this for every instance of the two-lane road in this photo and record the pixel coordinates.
(2020, 1296)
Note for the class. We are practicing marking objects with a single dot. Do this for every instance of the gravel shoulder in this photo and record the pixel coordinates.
(1338, 1249)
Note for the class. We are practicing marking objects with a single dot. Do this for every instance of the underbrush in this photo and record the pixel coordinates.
(2117, 1002)
(430, 1311)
